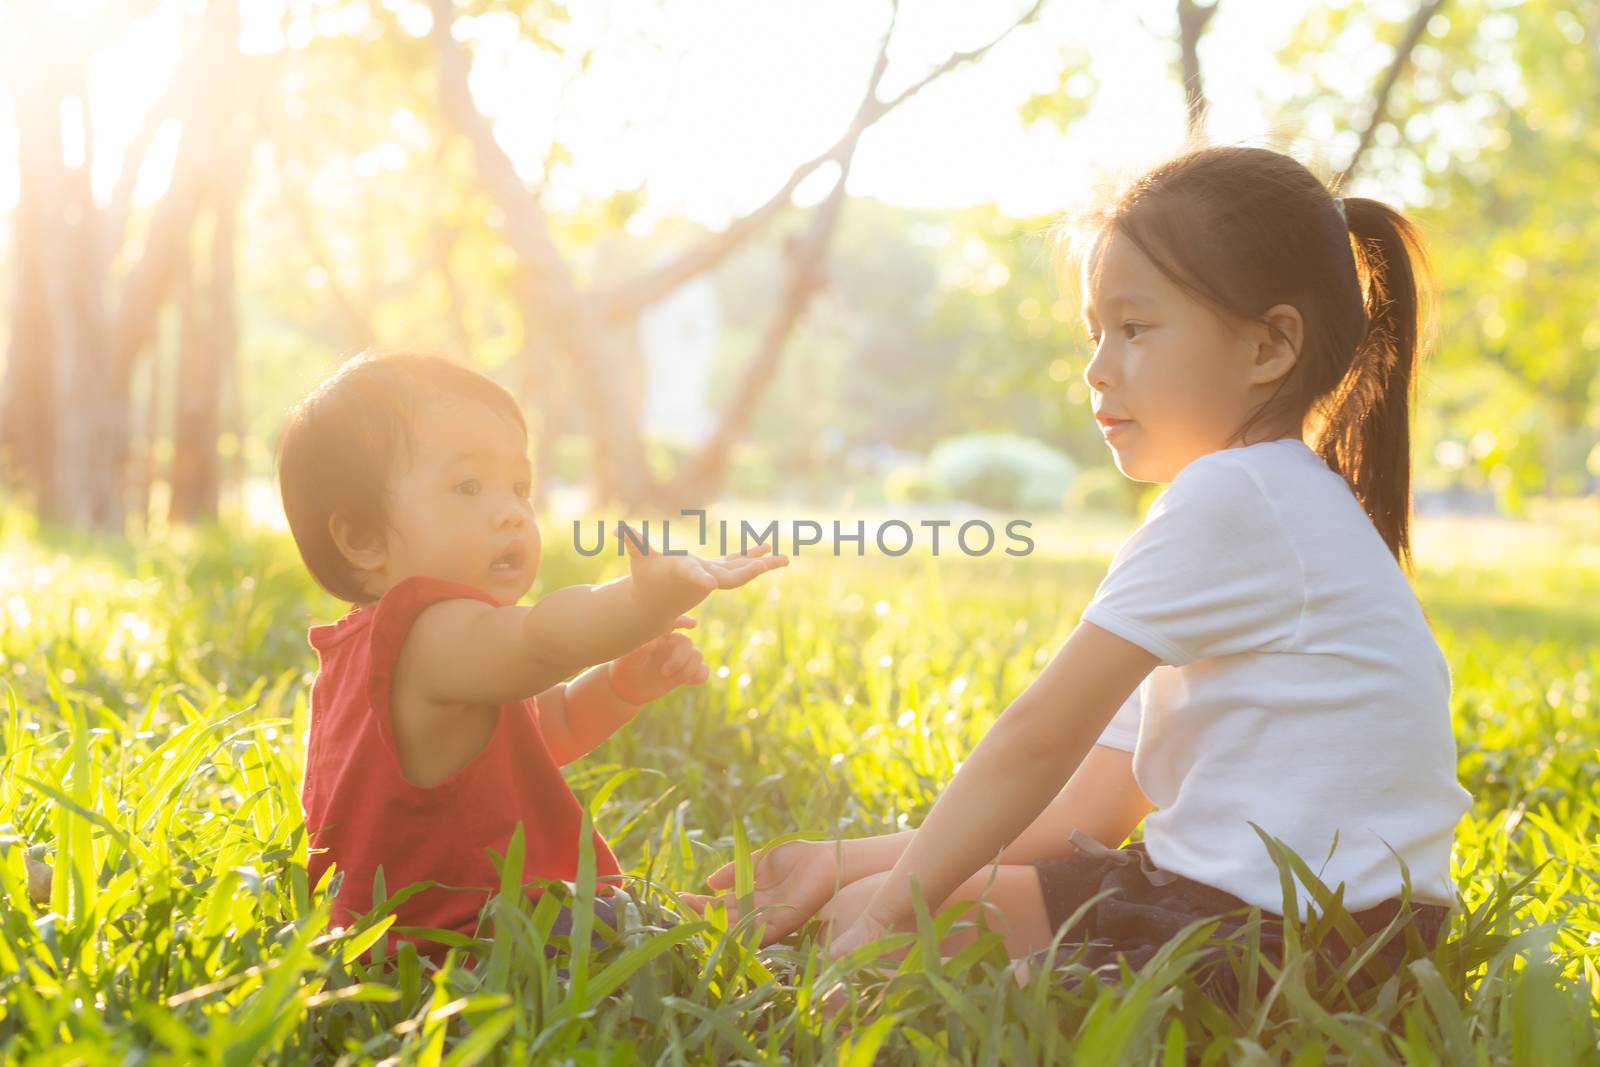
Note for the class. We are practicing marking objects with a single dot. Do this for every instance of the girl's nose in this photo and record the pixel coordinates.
(1094, 375)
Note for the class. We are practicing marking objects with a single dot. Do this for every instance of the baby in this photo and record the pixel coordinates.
(442, 710)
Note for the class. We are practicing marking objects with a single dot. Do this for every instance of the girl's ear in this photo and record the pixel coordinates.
(365, 553)
(1281, 334)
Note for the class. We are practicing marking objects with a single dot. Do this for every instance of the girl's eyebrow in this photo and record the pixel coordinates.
(1121, 299)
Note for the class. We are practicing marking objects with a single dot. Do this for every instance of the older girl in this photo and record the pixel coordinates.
(1255, 346)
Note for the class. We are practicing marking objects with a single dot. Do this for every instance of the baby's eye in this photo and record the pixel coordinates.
(470, 487)
(1128, 326)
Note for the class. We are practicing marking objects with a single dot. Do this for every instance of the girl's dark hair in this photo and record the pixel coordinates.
(344, 439)
(1244, 229)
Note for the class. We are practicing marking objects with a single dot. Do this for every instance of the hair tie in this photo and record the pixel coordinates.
(1338, 205)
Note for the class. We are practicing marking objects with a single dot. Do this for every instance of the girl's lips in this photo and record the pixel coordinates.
(1115, 426)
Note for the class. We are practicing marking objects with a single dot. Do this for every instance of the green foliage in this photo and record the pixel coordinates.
(152, 747)
(1000, 471)
(1495, 135)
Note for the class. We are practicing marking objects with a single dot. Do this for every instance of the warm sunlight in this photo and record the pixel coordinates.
(799, 532)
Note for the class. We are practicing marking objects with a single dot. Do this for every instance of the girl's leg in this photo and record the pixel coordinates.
(1012, 904)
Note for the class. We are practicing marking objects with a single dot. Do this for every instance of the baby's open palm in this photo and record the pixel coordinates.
(685, 580)
(792, 882)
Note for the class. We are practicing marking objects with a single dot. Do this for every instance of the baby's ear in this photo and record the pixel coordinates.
(362, 550)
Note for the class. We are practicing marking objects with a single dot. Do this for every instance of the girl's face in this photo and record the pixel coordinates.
(460, 509)
(1170, 379)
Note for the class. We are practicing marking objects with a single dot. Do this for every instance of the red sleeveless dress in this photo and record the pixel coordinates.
(361, 808)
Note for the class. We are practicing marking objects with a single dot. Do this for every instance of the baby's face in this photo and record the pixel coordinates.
(459, 509)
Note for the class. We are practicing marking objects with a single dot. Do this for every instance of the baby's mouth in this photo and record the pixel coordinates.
(510, 560)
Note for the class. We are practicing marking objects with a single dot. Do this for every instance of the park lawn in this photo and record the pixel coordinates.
(153, 746)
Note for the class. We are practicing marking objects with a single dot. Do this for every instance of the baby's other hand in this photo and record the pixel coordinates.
(658, 666)
(685, 580)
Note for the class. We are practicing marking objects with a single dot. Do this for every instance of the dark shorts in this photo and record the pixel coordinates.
(601, 932)
(1148, 906)
(604, 932)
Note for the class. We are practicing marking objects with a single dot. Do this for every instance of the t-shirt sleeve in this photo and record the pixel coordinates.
(1123, 729)
(1210, 572)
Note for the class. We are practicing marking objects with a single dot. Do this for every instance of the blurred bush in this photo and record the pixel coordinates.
(912, 483)
(994, 470)
(1103, 490)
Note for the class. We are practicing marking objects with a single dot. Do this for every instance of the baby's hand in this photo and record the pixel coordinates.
(683, 581)
(658, 666)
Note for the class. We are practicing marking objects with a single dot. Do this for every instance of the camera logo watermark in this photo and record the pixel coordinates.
(894, 537)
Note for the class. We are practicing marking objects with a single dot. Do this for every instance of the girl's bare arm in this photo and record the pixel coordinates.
(1101, 798)
(796, 879)
(1013, 774)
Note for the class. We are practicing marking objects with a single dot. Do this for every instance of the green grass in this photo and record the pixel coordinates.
(152, 753)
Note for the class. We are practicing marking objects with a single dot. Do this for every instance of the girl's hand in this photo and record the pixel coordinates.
(855, 917)
(39, 872)
(866, 929)
(684, 581)
(793, 880)
(658, 666)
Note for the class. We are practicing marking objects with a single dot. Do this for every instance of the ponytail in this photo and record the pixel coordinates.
(1365, 430)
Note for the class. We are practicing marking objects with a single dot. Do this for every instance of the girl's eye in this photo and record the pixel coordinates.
(469, 487)
(1128, 326)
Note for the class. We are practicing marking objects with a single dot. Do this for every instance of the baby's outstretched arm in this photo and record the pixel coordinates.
(465, 651)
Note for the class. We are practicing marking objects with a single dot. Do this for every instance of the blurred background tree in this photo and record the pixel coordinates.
(208, 204)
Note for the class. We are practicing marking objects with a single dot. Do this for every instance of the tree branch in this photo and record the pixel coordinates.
(118, 208)
(527, 227)
(546, 281)
(632, 295)
(444, 245)
(1192, 21)
(355, 315)
(705, 470)
(144, 289)
(1391, 77)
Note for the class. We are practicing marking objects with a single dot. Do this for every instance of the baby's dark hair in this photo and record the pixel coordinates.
(345, 438)
(1244, 229)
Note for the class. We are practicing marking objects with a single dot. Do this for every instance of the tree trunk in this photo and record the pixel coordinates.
(1192, 20)
(81, 491)
(206, 357)
(194, 424)
(27, 411)
(224, 327)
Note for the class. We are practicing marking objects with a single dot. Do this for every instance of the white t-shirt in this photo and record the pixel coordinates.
(1300, 688)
